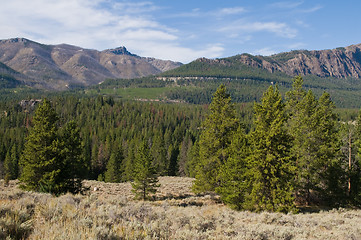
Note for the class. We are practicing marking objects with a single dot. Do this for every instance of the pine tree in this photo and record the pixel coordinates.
(115, 170)
(354, 173)
(233, 174)
(350, 140)
(173, 152)
(270, 166)
(184, 152)
(40, 160)
(302, 126)
(193, 160)
(328, 144)
(217, 132)
(11, 164)
(313, 127)
(295, 96)
(145, 178)
(51, 160)
(73, 165)
(160, 154)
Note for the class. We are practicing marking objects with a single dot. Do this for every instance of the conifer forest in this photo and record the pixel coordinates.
(275, 155)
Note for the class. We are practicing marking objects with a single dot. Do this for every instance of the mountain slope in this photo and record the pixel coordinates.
(61, 66)
(337, 63)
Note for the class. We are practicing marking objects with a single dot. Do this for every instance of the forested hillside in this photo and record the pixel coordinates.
(289, 149)
(107, 127)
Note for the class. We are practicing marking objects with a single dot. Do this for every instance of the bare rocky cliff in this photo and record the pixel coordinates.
(61, 66)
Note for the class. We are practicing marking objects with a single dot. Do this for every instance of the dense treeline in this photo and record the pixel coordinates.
(111, 132)
(287, 150)
(297, 153)
(198, 88)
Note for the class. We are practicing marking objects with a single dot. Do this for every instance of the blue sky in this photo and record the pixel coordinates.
(185, 30)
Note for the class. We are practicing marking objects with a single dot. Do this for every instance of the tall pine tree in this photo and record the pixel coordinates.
(40, 160)
(270, 165)
(51, 161)
(217, 132)
(144, 173)
(73, 166)
(233, 185)
(115, 167)
(328, 161)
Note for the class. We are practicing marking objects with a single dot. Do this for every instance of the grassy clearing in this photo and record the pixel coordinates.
(176, 213)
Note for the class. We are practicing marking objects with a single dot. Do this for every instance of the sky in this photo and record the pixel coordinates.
(184, 30)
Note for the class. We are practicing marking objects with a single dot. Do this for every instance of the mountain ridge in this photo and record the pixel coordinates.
(339, 62)
(63, 65)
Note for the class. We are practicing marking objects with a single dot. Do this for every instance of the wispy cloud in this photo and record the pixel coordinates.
(183, 54)
(231, 11)
(97, 24)
(281, 29)
(295, 46)
(264, 51)
(135, 7)
(311, 10)
(287, 4)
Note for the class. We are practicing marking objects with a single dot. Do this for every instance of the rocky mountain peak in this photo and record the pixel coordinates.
(120, 51)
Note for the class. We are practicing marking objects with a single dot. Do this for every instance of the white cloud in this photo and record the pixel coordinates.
(264, 52)
(135, 7)
(182, 54)
(295, 46)
(231, 11)
(97, 24)
(287, 5)
(280, 29)
(311, 10)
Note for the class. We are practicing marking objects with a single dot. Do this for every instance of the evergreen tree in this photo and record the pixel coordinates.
(303, 129)
(355, 169)
(11, 164)
(173, 152)
(8, 166)
(328, 162)
(312, 125)
(40, 160)
(233, 174)
(270, 166)
(145, 178)
(115, 170)
(184, 152)
(51, 161)
(73, 167)
(193, 160)
(294, 97)
(350, 140)
(217, 132)
(159, 154)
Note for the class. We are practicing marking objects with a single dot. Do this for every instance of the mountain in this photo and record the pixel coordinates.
(336, 63)
(62, 66)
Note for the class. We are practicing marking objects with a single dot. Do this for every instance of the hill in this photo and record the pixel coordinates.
(338, 63)
(63, 66)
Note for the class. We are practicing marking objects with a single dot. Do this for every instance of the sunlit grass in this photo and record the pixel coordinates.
(176, 213)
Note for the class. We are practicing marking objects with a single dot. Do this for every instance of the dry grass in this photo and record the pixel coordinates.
(176, 213)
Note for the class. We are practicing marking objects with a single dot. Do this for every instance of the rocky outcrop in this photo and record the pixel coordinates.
(61, 66)
(338, 63)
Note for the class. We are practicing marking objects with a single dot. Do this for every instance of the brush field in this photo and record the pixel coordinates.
(175, 213)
